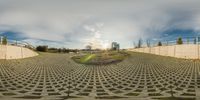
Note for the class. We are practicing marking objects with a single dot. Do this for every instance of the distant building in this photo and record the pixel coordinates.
(115, 46)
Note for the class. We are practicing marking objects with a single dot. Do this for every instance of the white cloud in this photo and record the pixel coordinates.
(75, 23)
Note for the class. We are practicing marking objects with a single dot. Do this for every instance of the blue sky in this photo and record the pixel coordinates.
(77, 23)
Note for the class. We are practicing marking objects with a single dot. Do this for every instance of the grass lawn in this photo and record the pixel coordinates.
(99, 58)
(87, 58)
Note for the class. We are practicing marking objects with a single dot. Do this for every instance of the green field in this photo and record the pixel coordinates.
(52, 76)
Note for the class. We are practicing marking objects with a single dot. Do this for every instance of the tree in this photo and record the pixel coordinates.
(4, 40)
(179, 41)
(88, 47)
(139, 43)
(195, 41)
(134, 45)
(59, 50)
(159, 43)
(67, 51)
(148, 43)
(42, 48)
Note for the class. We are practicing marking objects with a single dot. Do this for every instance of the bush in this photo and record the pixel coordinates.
(159, 43)
(42, 48)
(179, 41)
(59, 50)
(53, 50)
(4, 41)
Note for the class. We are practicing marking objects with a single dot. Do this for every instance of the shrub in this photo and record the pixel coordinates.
(159, 43)
(4, 41)
(179, 41)
(42, 48)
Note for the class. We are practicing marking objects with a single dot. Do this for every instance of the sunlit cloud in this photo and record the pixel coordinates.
(77, 23)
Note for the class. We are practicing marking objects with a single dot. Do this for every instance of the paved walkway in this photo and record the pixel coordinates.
(141, 76)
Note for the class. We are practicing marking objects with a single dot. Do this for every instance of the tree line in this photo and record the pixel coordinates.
(45, 48)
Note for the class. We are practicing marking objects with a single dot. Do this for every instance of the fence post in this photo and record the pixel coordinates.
(150, 49)
(1, 39)
(16, 43)
(21, 52)
(5, 46)
(198, 39)
(174, 50)
(188, 41)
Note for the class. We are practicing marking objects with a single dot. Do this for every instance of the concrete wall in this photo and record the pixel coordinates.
(187, 51)
(15, 52)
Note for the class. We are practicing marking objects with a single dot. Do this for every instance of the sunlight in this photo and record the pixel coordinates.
(105, 45)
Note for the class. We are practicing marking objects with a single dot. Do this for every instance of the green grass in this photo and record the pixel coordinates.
(118, 57)
(101, 58)
(87, 58)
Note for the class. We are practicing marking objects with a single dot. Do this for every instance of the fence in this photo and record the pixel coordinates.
(14, 49)
(167, 42)
(190, 49)
(15, 42)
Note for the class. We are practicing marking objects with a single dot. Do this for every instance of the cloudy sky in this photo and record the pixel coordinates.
(76, 23)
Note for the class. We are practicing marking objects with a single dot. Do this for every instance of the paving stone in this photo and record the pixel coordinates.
(140, 75)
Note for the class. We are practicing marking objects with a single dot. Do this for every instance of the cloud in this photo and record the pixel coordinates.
(76, 23)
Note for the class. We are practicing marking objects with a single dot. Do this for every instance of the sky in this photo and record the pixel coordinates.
(77, 23)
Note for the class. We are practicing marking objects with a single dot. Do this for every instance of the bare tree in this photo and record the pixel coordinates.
(88, 47)
(140, 43)
(195, 41)
(148, 43)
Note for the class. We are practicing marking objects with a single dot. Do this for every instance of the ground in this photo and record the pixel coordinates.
(140, 77)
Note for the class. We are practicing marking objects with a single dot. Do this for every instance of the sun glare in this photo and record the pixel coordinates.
(105, 45)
